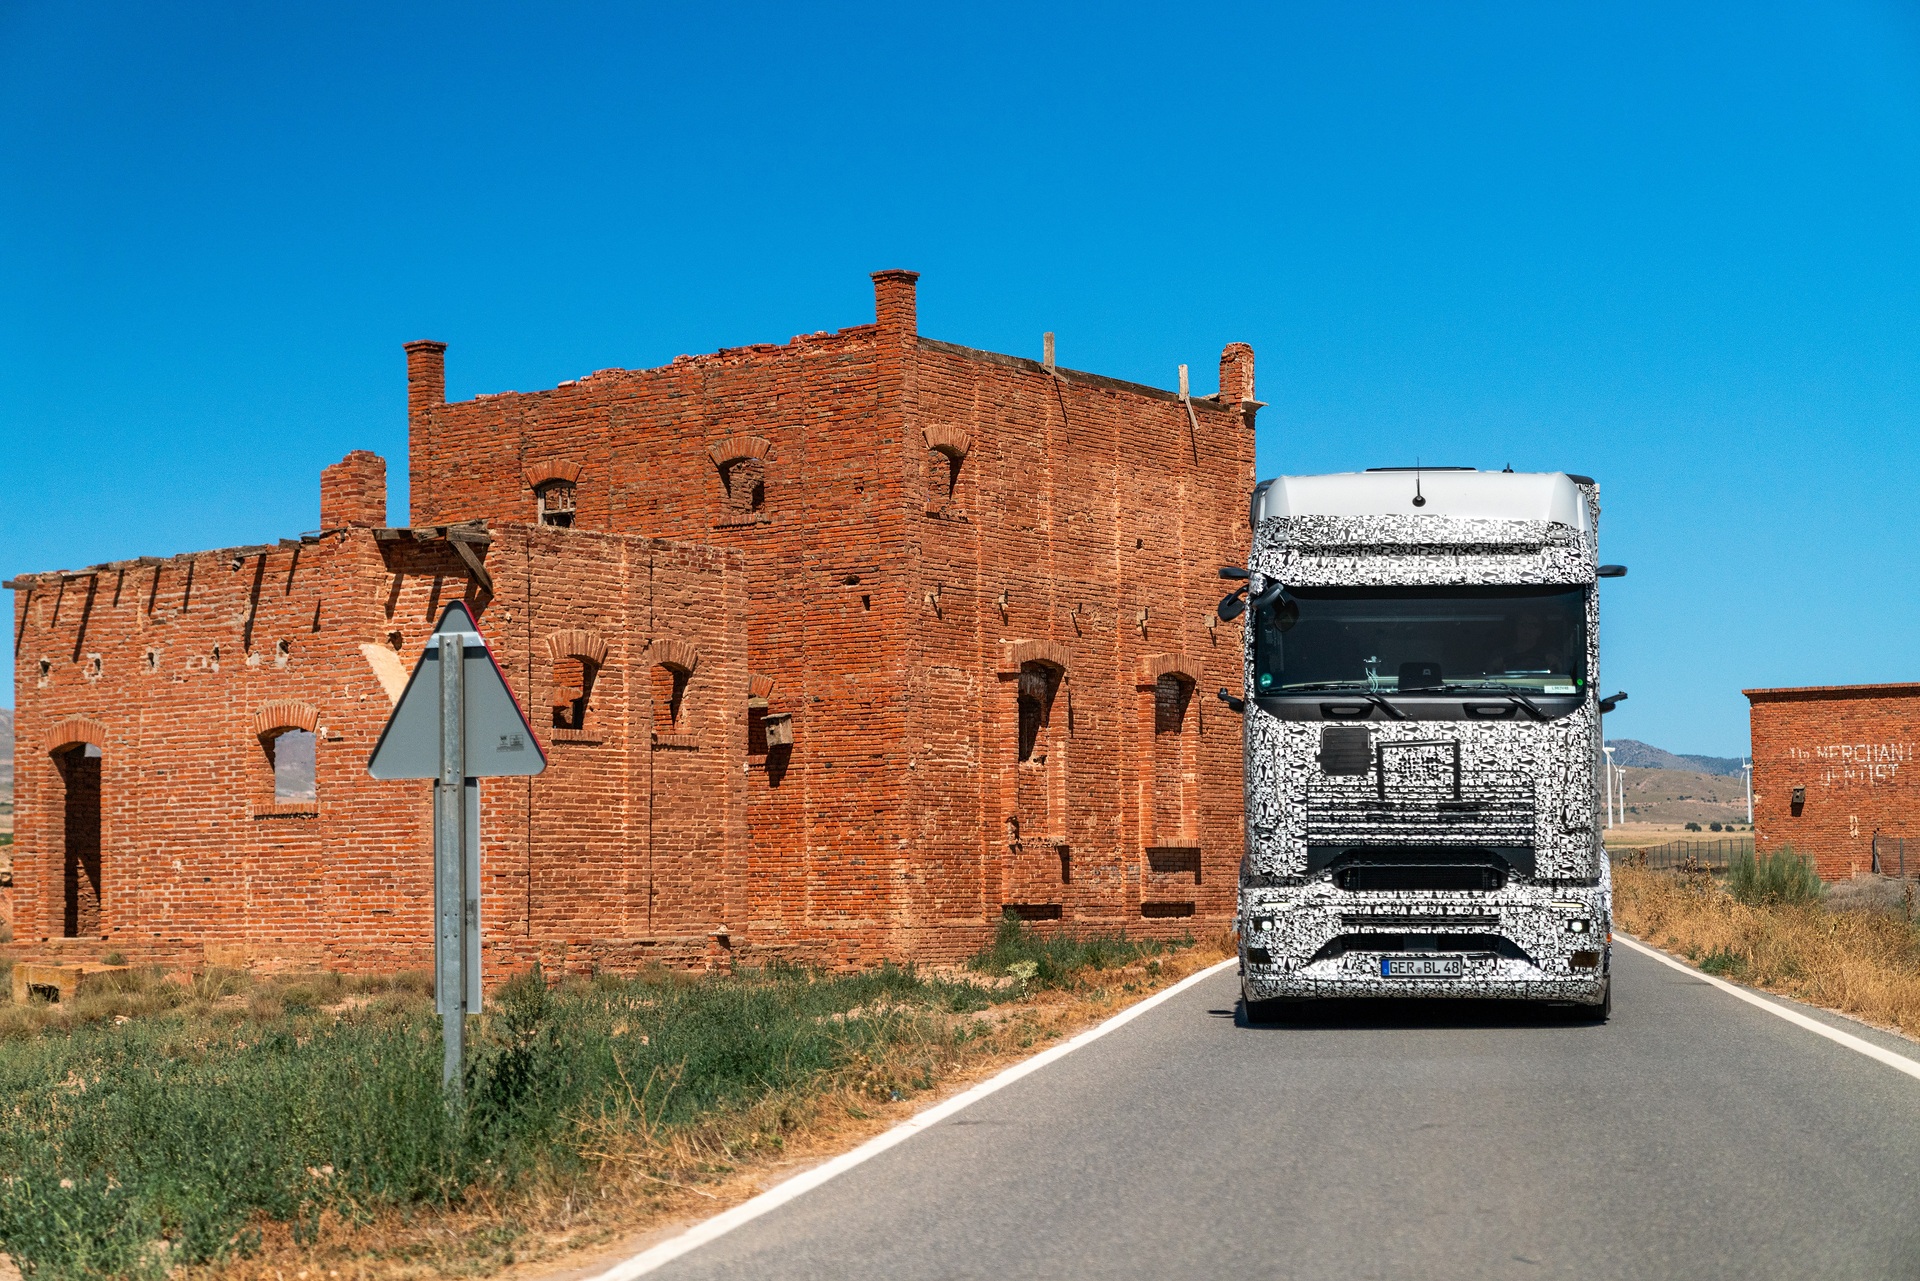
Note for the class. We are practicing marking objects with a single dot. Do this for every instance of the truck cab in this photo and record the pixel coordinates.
(1423, 739)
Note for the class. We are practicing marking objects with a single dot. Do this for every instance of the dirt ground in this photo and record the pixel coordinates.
(1637, 835)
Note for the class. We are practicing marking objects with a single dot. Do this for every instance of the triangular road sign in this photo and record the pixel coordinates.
(499, 741)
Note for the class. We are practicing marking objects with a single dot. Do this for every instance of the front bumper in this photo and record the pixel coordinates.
(1357, 974)
(1520, 943)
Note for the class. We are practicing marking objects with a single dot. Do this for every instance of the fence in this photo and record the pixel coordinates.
(1890, 857)
(1687, 856)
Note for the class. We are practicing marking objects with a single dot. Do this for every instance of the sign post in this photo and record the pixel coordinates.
(456, 723)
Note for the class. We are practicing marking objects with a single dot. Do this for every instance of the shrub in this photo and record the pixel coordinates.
(1051, 960)
(1782, 876)
(1693, 827)
(1721, 961)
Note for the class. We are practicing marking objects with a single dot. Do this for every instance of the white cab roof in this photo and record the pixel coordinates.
(1474, 495)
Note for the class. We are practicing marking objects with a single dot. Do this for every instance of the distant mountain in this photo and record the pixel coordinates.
(1634, 754)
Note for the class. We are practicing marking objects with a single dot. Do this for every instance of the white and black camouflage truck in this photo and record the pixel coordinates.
(1423, 739)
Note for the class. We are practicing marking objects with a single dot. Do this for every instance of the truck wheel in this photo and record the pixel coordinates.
(1603, 1011)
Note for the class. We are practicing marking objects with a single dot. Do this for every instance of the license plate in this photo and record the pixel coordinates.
(1422, 967)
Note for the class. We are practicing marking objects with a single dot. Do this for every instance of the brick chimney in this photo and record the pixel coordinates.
(893, 304)
(1236, 373)
(426, 377)
(353, 492)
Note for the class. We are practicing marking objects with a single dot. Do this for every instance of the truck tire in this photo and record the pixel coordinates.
(1600, 1012)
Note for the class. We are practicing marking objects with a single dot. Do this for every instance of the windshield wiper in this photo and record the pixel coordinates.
(1527, 705)
(1386, 707)
(1512, 696)
(1304, 687)
(1301, 687)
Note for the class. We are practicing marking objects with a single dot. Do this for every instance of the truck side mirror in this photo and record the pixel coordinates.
(1234, 572)
(1612, 701)
(1232, 605)
(1613, 571)
(1233, 704)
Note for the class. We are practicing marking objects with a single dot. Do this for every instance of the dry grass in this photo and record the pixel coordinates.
(1864, 962)
(212, 998)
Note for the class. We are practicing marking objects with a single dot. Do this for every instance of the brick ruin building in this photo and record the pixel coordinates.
(838, 649)
(1834, 775)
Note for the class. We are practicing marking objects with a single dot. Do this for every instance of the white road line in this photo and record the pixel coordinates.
(1898, 1062)
(778, 1195)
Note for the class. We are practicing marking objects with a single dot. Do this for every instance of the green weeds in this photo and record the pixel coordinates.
(1722, 963)
(1779, 877)
(1037, 960)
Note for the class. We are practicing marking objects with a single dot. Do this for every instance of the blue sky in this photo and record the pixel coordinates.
(1671, 246)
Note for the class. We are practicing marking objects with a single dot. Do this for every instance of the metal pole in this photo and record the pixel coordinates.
(1747, 769)
(1608, 752)
(449, 864)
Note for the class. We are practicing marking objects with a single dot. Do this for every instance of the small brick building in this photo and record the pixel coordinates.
(1833, 769)
(838, 648)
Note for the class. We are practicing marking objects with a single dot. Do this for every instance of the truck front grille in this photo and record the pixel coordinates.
(1468, 944)
(1493, 807)
(1390, 868)
(1384, 878)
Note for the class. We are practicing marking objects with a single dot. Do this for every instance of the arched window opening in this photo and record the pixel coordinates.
(1171, 695)
(554, 500)
(1039, 682)
(756, 727)
(290, 751)
(572, 686)
(943, 474)
(746, 483)
(741, 462)
(79, 767)
(1171, 822)
(946, 451)
(669, 698)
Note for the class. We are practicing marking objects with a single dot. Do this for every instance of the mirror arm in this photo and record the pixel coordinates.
(1273, 595)
(1233, 704)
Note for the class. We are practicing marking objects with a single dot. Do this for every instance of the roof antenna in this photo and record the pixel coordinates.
(1419, 499)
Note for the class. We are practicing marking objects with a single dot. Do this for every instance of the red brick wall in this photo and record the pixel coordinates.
(1852, 748)
(1085, 526)
(175, 667)
(1086, 500)
(353, 492)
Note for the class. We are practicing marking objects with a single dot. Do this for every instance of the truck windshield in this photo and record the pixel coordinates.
(1527, 640)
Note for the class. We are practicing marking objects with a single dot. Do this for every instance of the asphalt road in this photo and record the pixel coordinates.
(1693, 1136)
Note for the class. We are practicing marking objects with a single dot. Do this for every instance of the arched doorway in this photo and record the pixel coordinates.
(79, 768)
